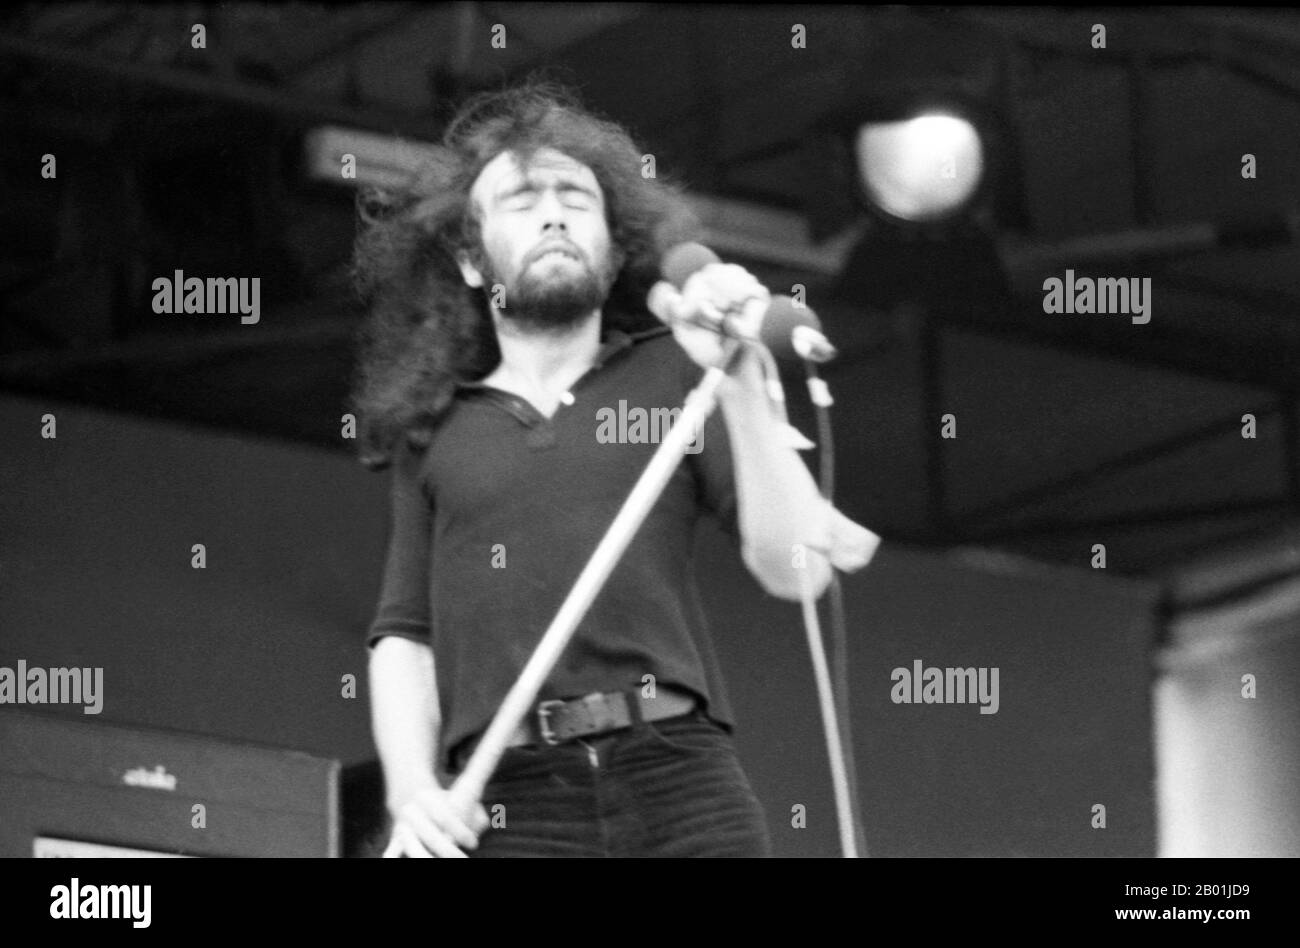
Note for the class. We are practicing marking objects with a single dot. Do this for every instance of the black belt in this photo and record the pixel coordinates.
(555, 722)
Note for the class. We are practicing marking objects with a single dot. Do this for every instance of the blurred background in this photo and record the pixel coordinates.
(917, 173)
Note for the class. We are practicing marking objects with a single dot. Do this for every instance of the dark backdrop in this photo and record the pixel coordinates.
(95, 535)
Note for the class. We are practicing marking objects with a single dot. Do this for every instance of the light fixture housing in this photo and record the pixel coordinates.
(914, 160)
(925, 168)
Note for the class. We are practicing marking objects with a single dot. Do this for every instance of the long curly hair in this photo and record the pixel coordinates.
(425, 329)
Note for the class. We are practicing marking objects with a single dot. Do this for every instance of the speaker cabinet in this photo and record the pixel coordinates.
(70, 787)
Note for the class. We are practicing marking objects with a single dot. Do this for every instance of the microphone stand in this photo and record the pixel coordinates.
(700, 403)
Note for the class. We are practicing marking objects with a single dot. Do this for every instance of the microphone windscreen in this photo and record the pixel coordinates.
(780, 322)
(683, 260)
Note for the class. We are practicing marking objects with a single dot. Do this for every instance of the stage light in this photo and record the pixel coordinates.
(924, 168)
(352, 156)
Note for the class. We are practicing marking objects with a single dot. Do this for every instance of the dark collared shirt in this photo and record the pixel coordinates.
(493, 522)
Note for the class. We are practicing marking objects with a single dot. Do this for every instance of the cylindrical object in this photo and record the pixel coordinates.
(1227, 712)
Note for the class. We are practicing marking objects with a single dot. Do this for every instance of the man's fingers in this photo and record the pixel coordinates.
(476, 818)
(726, 287)
(446, 849)
(848, 546)
(463, 819)
(458, 830)
(432, 836)
(412, 847)
(403, 843)
(852, 545)
(753, 313)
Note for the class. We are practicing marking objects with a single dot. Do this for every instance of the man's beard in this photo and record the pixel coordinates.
(549, 302)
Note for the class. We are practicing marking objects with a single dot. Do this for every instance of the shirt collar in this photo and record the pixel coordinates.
(614, 341)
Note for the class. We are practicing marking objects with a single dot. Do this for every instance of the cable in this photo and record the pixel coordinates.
(822, 401)
(826, 699)
(833, 696)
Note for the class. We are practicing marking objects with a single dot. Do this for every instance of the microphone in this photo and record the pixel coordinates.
(681, 261)
(789, 330)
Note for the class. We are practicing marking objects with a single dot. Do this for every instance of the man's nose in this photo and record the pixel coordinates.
(552, 211)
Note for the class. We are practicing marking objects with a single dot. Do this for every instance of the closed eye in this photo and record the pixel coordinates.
(572, 195)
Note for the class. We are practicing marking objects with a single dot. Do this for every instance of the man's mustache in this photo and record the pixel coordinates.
(560, 246)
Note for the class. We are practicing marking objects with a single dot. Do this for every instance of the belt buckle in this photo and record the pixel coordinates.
(544, 710)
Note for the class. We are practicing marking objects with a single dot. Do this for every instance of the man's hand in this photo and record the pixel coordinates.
(719, 288)
(848, 545)
(427, 823)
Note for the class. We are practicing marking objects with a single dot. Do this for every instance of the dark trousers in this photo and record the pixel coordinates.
(670, 788)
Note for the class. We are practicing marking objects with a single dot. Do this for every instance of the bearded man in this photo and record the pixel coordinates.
(507, 288)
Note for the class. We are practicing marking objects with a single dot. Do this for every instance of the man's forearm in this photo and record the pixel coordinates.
(779, 506)
(404, 714)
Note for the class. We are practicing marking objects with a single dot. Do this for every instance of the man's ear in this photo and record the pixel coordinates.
(469, 272)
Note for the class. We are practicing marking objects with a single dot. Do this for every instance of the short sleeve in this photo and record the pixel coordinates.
(404, 596)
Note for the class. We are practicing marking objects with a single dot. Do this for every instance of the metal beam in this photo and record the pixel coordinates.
(932, 410)
(1269, 300)
(1234, 542)
(172, 349)
(291, 105)
(1136, 457)
(1177, 351)
(1136, 520)
(1208, 572)
(67, 124)
(353, 39)
(111, 19)
(1291, 454)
